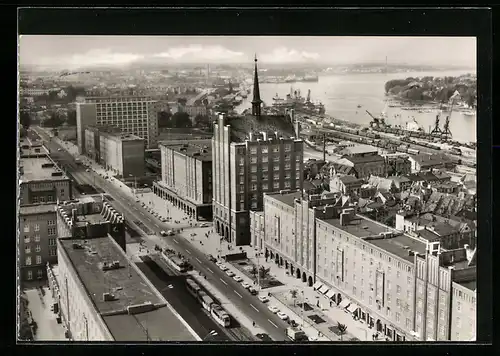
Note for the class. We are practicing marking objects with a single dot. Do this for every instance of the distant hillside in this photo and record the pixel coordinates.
(438, 89)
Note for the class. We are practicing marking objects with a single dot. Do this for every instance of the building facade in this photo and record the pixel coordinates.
(37, 240)
(186, 176)
(405, 288)
(133, 115)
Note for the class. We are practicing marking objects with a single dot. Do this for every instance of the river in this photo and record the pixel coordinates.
(342, 93)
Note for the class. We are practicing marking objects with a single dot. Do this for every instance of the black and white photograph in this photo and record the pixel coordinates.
(247, 188)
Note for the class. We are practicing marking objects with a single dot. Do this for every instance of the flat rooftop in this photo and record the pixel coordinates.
(287, 198)
(198, 149)
(398, 245)
(37, 209)
(360, 149)
(122, 136)
(472, 285)
(39, 169)
(128, 287)
(91, 219)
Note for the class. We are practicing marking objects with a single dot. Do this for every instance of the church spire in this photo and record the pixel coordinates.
(256, 102)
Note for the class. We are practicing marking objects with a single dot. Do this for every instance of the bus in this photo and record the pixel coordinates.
(205, 300)
(177, 263)
(220, 315)
(192, 287)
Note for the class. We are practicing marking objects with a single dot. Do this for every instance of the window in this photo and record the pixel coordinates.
(441, 330)
(398, 317)
(362, 282)
(27, 249)
(42, 199)
(253, 159)
(26, 239)
(419, 303)
(37, 227)
(459, 322)
(51, 231)
(441, 314)
(408, 323)
(242, 161)
(52, 252)
(370, 300)
(398, 274)
(276, 185)
(408, 294)
(389, 285)
(26, 228)
(38, 259)
(354, 278)
(398, 289)
(37, 238)
(38, 248)
(354, 290)
(265, 159)
(51, 222)
(419, 317)
(408, 279)
(28, 261)
(287, 184)
(30, 275)
(39, 273)
(389, 270)
(388, 297)
(459, 306)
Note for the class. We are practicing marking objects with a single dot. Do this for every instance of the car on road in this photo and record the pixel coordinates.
(163, 220)
(217, 263)
(203, 225)
(237, 278)
(223, 267)
(282, 315)
(212, 259)
(245, 285)
(252, 290)
(274, 309)
(87, 170)
(264, 337)
(230, 273)
(263, 298)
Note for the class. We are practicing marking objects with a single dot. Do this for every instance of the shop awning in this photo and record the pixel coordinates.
(330, 294)
(324, 289)
(352, 307)
(344, 303)
(317, 285)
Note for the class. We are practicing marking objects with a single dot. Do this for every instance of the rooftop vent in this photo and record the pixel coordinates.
(77, 246)
(110, 266)
(406, 247)
(140, 308)
(57, 174)
(365, 227)
(108, 297)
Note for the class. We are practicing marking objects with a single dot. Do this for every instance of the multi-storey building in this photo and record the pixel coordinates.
(248, 161)
(37, 240)
(186, 176)
(405, 288)
(42, 181)
(103, 296)
(90, 217)
(134, 115)
(194, 110)
(120, 152)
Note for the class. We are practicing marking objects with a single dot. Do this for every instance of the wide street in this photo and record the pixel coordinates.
(133, 211)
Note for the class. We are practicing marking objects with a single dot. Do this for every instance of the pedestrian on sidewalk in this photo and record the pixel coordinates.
(253, 324)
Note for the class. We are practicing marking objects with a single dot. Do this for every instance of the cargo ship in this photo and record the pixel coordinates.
(294, 100)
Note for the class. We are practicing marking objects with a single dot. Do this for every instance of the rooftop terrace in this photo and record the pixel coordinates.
(40, 169)
(128, 288)
(363, 228)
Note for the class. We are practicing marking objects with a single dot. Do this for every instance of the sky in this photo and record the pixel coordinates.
(73, 52)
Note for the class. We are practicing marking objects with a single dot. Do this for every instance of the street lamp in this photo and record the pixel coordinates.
(210, 334)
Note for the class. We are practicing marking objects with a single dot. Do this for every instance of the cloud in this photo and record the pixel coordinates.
(92, 58)
(199, 53)
(285, 55)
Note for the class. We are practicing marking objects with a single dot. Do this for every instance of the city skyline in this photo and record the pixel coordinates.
(74, 52)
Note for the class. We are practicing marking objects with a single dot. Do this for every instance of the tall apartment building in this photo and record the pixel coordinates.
(121, 152)
(37, 240)
(186, 176)
(134, 115)
(406, 288)
(246, 166)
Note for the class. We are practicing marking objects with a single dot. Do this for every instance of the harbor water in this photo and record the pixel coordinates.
(342, 93)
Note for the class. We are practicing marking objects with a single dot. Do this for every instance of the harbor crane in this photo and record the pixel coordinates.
(377, 122)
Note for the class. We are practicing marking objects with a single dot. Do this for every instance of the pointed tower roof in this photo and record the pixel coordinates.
(256, 89)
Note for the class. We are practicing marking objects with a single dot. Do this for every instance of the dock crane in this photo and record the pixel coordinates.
(376, 122)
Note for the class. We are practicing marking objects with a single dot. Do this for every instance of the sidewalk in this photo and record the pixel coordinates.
(227, 305)
(39, 306)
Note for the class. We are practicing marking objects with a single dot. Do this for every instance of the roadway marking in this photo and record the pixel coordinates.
(239, 295)
(157, 226)
(257, 310)
(188, 251)
(148, 219)
(223, 281)
(273, 323)
(210, 270)
(142, 213)
(175, 241)
(198, 259)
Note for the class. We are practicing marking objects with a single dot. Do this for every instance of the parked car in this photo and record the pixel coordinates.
(282, 315)
(263, 298)
(237, 278)
(273, 309)
(252, 290)
(264, 337)
(217, 263)
(223, 267)
(203, 225)
(245, 285)
(229, 273)
(212, 259)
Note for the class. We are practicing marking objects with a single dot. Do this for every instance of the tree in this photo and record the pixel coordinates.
(254, 271)
(54, 121)
(264, 272)
(25, 119)
(342, 329)
(293, 294)
(164, 119)
(181, 120)
(71, 120)
(201, 121)
(182, 101)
